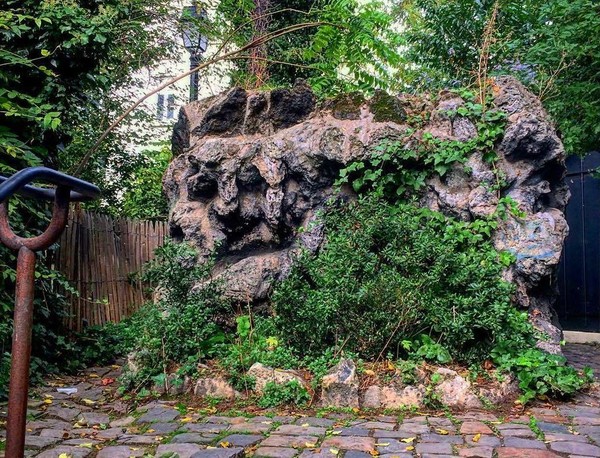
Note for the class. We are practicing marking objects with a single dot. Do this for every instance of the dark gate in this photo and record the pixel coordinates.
(578, 306)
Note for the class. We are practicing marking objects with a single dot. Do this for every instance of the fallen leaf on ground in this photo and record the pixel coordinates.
(476, 437)
(107, 381)
(86, 445)
(373, 452)
(443, 432)
(47, 401)
(309, 445)
(335, 451)
(88, 402)
(370, 372)
(408, 440)
(335, 433)
(186, 419)
(383, 444)
(224, 444)
(410, 448)
(64, 455)
(305, 425)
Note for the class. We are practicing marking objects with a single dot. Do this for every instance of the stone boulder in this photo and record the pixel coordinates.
(456, 391)
(340, 386)
(392, 397)
(252, 171)
(264, 374)
(215, 387)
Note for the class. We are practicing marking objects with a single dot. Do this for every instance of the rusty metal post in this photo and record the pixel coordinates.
(21, 354)
(23, 315)
(68, 188)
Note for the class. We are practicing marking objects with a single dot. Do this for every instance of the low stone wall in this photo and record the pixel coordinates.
(251, 168)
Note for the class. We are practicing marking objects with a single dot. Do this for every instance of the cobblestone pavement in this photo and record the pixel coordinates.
(581, 355)
(92, 423)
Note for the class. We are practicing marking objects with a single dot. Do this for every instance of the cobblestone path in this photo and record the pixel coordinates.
(92, 423)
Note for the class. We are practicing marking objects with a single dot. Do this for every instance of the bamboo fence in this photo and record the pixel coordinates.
(100, 256)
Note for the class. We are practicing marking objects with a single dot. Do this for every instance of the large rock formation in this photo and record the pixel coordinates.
(252, 168)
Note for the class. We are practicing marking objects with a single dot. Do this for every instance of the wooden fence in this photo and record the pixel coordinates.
(100, 255)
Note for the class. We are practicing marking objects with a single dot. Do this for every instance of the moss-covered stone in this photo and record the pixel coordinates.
(346, 106)
(386, 108)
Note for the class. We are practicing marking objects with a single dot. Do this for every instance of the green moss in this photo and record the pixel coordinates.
(386, 108)
(346, 106)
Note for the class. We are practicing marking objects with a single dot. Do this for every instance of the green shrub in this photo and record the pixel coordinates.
(291, 392)
(391, 273)
(181, 324)
(540, 373)
(255, 343)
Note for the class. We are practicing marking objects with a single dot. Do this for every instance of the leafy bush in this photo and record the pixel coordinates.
(291, 392)
(540, 373)
(255, 343)
(181, 323)
(391, 273)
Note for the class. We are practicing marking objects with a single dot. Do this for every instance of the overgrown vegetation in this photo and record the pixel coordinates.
(182, 324)
(434, 275)
(398, 169)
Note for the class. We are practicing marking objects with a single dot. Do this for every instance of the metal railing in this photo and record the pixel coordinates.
(67, 189)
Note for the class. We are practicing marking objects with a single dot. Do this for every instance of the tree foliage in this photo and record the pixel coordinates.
(548, 45)
(354, 48)
(61, 66)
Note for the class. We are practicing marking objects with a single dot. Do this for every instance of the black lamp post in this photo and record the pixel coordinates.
(194, 42)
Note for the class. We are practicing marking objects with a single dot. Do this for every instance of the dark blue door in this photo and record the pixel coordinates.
(578, 306)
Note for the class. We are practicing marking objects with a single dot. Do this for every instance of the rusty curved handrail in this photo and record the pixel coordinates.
(67, 189)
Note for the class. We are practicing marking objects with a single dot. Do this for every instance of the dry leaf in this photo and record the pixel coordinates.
(410, 448)
(370, 372)
(390, 366)
(64, 455)
(186, 419)
(47, 401)
(336, 433)
(86, 445)
(210, 447)
(88, 402)
(93, 376)
(151, 431)
(335, 451)
(373, 452)
(443, 432)
(476, 437)
(305, 425)
(408, 440)
(309, 445)
(383, 444)
(224, 444)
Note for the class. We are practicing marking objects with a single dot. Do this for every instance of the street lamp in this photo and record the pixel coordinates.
(194, 42)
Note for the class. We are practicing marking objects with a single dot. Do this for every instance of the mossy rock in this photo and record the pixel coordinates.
(386, 108)
(346, 106)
